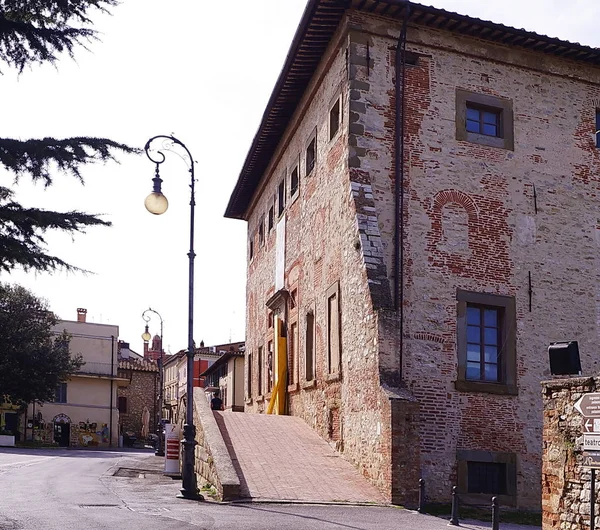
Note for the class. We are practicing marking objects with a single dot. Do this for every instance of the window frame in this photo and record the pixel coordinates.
(502, 106)
(309, 327)
(334, 358)
(60, 393)
(507, 383)
(295, 192)
(281, 197)
(597, 130)
(122, 404)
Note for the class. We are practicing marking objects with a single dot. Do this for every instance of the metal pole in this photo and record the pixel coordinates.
(454, 513)
(495, 514)
(421, 508)
(593, 501)
(190, 488)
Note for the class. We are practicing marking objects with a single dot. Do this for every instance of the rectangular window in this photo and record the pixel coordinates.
(294, 182)
(249, 376)
(309, 347)
(334, 119)
(333, 329)
(482, 473)
(60, 395)
(484, 119)
(122, 405)
(311, 155)
(292, 353)
(483, 343)
(260, 370)
(261, 231)
(597, 132)
(486, 343)
(271, 216)
(251, 247)
(281, 197)
(486, 477)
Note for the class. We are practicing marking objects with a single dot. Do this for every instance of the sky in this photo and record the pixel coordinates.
(202, 71)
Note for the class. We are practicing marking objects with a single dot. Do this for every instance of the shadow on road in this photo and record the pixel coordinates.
(75, 452)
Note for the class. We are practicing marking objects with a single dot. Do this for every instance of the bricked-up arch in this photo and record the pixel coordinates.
(488, 237)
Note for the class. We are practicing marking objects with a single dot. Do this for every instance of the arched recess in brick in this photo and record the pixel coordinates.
(453, 215)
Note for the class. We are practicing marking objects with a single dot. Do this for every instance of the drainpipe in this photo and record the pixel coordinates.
(399, 180)
(112, 374)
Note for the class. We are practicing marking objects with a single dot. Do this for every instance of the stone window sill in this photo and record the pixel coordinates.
(309, 384)
(487, 388)
(333, 377)
(293, 387)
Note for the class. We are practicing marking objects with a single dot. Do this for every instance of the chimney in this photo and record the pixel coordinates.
(146, 349)
(81, 314)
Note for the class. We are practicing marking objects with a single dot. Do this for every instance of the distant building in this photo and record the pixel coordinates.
(85, 410)
(226, 376)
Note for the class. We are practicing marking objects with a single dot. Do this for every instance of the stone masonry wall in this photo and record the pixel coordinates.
(323, 247)
(565, 482)
(481, 219)
(141, 392)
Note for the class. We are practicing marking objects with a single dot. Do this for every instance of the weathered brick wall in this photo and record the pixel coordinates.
(471, 223)
(565, 482)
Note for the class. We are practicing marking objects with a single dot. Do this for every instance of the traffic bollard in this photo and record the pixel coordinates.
(421, 508)
(495, 514)
(454, 514)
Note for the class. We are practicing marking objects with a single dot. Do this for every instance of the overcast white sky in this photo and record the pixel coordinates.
(203, 71)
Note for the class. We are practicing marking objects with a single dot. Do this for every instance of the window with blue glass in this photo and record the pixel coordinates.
(483, 121)
(483, 343)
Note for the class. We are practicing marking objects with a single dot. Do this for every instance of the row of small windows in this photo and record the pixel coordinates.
(278, 204)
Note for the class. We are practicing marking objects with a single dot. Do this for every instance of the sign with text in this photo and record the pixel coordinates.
(591, 425)
(588, 405)
(591, 460)
(591, 442)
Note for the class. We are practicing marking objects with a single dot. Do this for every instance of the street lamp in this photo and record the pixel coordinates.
(160, 448)
(156, 203)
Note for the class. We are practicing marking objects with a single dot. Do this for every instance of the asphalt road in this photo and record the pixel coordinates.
(57, 489)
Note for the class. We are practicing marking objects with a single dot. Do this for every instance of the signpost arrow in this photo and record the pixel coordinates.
(588, 405)
(588, 425)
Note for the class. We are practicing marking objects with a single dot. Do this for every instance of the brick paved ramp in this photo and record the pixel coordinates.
(280, 458)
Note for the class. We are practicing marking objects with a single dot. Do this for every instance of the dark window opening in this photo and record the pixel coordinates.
(270, 218)
(281, 197)
(260, 370)
(292, 354)
(486, 477)
(261, 231)
(334, 119)
(251, 247)
(597, 133)
(311, 155)
(294, 182)
(482, 120)
(249, 380)
(122, 405)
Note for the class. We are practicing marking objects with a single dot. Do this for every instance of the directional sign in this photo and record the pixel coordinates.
(591, 460)
(591, 425)
(588, 405)
(591, 442)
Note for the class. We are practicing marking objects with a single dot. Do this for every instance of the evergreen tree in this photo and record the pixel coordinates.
(33, 360)
(32, 32)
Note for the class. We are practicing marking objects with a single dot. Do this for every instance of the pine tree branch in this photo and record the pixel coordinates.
(22, 232)
(37, 157)
(37, 31)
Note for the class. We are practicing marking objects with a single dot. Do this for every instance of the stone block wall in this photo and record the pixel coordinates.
(565, 482)
(141, 392)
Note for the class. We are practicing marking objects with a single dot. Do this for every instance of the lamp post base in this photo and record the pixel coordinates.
(189, 495)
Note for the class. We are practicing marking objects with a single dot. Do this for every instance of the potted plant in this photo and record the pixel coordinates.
(7, 438)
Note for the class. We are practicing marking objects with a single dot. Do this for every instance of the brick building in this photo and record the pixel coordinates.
(421, 200)
(139, 395)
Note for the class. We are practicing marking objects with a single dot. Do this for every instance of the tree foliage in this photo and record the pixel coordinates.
(32, 32)
(33, 358)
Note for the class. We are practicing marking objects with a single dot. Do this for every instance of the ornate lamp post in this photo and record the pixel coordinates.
(160, 448)
(157, 204)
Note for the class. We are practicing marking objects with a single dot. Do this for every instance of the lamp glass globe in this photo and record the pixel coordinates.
(156, 203)
(146, 336)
